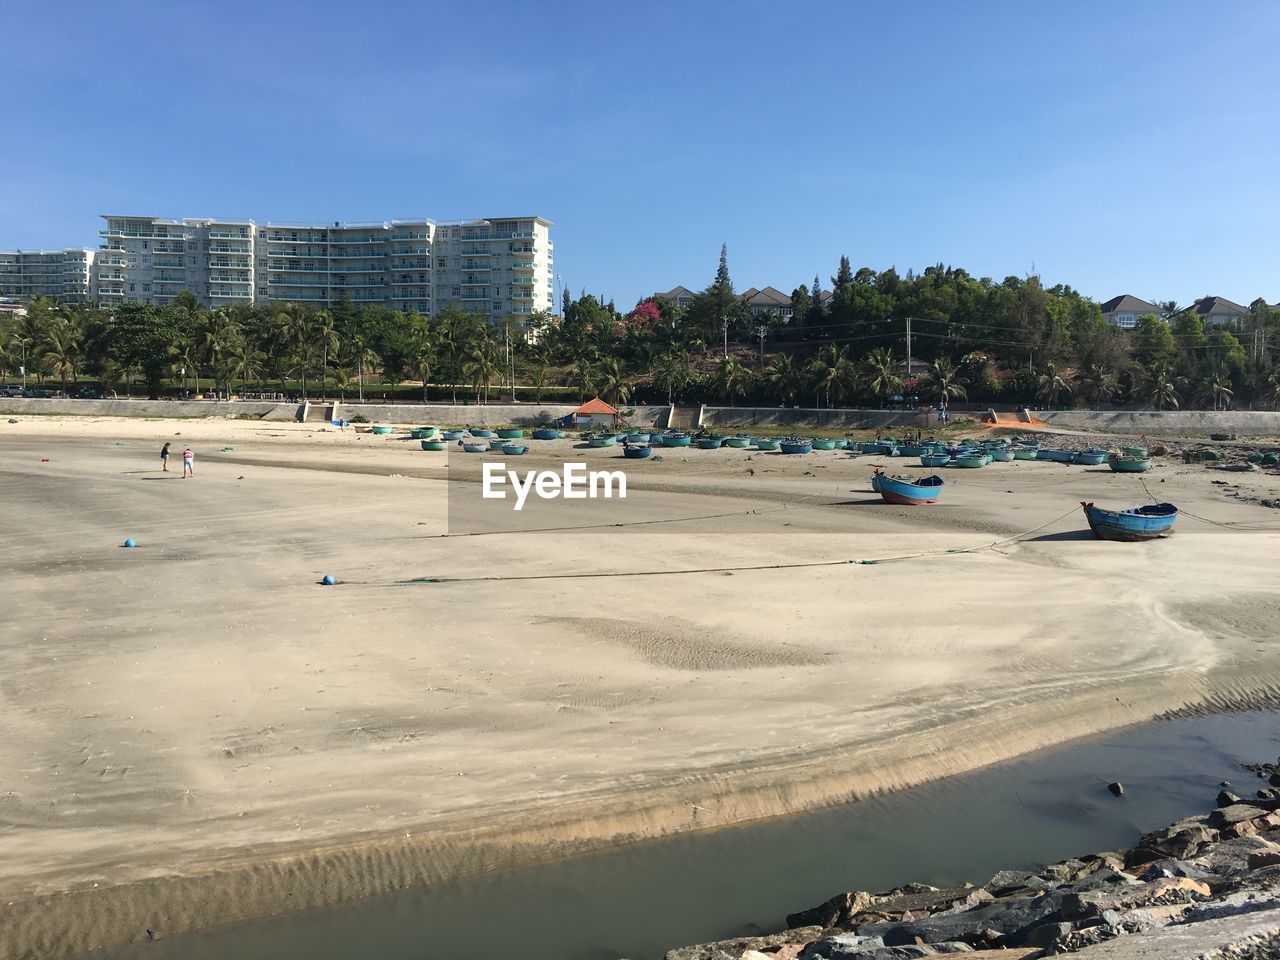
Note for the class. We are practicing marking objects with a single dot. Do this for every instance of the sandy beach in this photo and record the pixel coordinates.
(198, 732)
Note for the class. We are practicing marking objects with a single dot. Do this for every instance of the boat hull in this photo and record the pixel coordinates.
(1129, 526)
(1130, 464)
(634, 452)
(792, 448)
(547, 434)
(767, 444)
(910, 493)
(602, 441)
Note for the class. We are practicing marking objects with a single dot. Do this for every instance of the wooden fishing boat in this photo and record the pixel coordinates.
(514, 433)
(636, 451)
(422, 433)
(545, 433)
(602, 440)
(451, 435)
(1140, 523)
(1122, 464)
(710, 443)
(515, 450)
(432, 444)
(970, 461)
(905, 490)
(796, 445)
(824, 444)
(765, 443)
(1091, 457)
(1024, 453)
(934, 459)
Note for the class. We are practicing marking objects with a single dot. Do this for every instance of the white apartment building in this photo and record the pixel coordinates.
(498, 267)
(65, 274)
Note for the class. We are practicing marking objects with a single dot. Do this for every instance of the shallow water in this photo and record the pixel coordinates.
(639, 901)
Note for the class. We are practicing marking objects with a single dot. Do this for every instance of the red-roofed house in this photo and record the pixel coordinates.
(596, 413)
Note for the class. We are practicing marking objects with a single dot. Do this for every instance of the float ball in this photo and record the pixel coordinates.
(329, 580)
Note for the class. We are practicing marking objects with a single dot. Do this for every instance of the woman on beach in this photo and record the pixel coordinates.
(188, 463)
(164, 457)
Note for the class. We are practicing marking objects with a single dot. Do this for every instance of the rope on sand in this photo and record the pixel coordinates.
(1228, 525)
(500, 578)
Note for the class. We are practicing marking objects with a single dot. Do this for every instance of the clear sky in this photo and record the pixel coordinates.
(1121, 147)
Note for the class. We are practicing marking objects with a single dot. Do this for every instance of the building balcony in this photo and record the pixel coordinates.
(524, 267)
(227, 235)
(170, 280)
(473, 267)
(475, 296)
(339, 285)
(230, 265)
(475, 252)
(298, 283)
(117, 277)
(475, 283)
(275, 267)
(411, 283)
(277, 238)
(355, 256)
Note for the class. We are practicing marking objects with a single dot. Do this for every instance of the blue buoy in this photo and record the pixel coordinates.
(329, 580)
(130, 542)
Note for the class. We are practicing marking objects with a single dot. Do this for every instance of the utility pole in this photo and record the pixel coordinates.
(908, 347)
(724, 322)
(761, 330)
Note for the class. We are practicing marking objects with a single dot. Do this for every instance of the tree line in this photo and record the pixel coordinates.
(972, 339)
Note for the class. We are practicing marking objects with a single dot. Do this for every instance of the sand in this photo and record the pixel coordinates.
(197, 732)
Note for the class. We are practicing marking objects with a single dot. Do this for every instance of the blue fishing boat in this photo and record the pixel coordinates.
(970, 461)
(451, 435)
(934, 459)
(602, 440)
(1091, 457)
(1024, 453)
(432, 444)
(710, 443)
(511, 433)
(636, 451)
(543, 433)
(795, 445)
(764, 443)
(477, 432)
(1001, 454)
(515, 450)
(1028, 444)
(1122, 464)
(676, 439)
(824, 444)
(906, 491)
(738, 443)
(1056, 456)
(914, 450)
(474, 447)
(641, 438)
(1141, 523)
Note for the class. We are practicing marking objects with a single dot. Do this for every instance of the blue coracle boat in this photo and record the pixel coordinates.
(1141, 523)
(636, 451)
(906, 491)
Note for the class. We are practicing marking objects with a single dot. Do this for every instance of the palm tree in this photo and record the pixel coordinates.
(1160, 387)
(1216, 388)
(422, 354)
(342, 380)
(784, 378)
(482, 366)
(1274, 382)
(1051, 385)
(881, 374)
(944, 382)
(326, 334)
(61, 349)
(220, 336)
(730, 378)
(671, 373)
(1098, 386)
(584, 375)
(613, 382)
(244, 363)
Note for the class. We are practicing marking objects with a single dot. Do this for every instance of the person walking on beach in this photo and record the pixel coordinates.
(188, 463)
(164, 458)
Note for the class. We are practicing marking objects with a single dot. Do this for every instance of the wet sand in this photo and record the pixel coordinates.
(199, 733)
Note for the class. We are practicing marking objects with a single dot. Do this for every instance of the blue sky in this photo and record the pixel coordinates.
(1119, 147)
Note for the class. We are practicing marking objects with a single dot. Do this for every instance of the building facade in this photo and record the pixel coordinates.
(65, 274)
(1220, 312)
(498, 267)
(1123, 311)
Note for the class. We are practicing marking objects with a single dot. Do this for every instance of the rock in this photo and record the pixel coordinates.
(999, 922)
(1264, 858)
(733, 949)
(840, 946)
(1116, 788)
(1226, 798)
(1064, 871)
(1046, 935)
(1008, 882)
(829, 914)
(1173, 868)
(1230, 858)
(1247, 828)
(1092, 904)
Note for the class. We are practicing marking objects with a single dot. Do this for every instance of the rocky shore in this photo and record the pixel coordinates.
(1206, 887)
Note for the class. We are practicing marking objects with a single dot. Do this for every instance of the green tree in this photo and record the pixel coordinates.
(672, 373)
(881, 375)
(944, 383)
(730, 379)
(1051, 386)
(1153, 340)
(614, 385)
(1159, 387)
(61, 350)
(784, 378)
(1097, 386)
(140, 338)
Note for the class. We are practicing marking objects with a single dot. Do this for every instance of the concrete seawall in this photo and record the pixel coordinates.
(1192, 423)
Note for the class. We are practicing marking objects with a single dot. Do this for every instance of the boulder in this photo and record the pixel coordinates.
(999, 922)
(1009, 882)
(1092, 904)
(829, 914)
(734, 948)
(845, 945)
(1236, 813)
(1263, 858)
(1226, 798)
(1230, 858)
(1046, 935)
(1247, 828)
(1117, 788)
